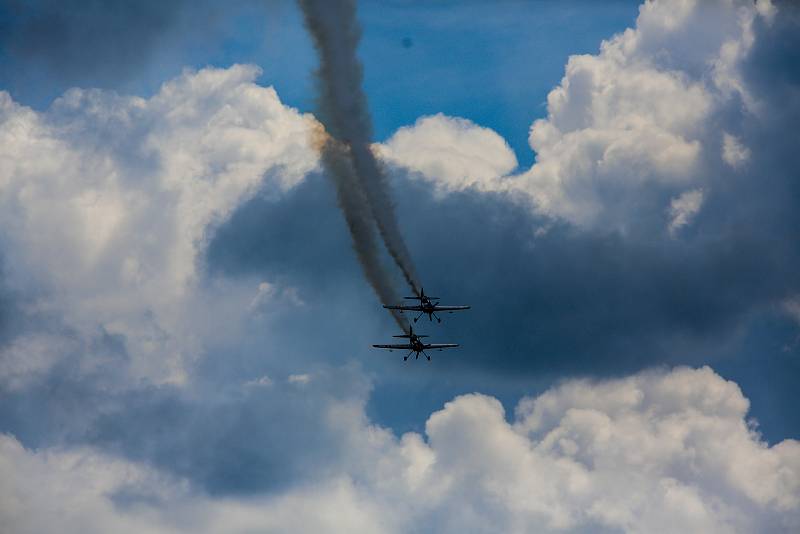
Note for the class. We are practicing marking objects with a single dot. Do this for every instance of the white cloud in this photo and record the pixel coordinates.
(656, 452)
(105, 202)
(455, 154)
(639, 116)
(84, 491)
(653, 452)
(734, 153)
(71, 491)
(301, 379)
(683, 209)
(766, 9)
(627, 129)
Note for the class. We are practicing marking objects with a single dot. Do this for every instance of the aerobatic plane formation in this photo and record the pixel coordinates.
(427, 306)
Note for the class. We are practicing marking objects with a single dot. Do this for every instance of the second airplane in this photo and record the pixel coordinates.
(426, 306)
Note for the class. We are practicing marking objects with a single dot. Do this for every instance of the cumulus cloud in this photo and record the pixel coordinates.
(682, 209)
(455, 154)
(657, 451)
(654, 452)
(639, 119)
(733, 152)
(106, 202)
(83, 490)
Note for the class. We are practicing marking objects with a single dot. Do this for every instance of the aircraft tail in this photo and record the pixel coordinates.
(410, 334)
(421, 296)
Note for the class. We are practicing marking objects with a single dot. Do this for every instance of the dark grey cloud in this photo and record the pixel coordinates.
(8, 308)
(563, 304)
(48, 46)
(88, 39)
(225, 435)
(566, 300)
(250, 440)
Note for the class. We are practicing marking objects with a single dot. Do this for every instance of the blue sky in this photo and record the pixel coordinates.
(185, 327)
(492, 63)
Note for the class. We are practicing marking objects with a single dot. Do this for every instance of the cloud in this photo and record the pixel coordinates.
(107, 201)
(636, 124)
(83, 490)
(656, 451)
(567, 301)
(69, 36)
(300, 379)
(28, 356)
(733, 152)
(683, 209)
(83, 43)
(455, 154)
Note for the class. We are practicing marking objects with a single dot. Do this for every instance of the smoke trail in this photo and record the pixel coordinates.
(333, 27)
(354, 205)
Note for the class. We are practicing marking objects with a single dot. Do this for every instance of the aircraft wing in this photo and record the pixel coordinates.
(441, 345)
(451, 308)
(404, 308)
(398, 346)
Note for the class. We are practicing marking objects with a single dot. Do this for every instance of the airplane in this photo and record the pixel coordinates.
(426, 306)
(415, 345)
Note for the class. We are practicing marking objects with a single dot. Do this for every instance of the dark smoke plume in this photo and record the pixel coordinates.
(354, 205)
(343, 109)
